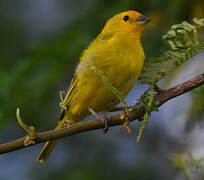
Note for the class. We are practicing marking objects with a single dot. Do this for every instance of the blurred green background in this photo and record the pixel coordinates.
(40, 44)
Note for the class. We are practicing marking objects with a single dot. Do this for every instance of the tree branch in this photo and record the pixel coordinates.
(160, 98)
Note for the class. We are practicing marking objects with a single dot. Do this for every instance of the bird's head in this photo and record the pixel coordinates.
(127, 22)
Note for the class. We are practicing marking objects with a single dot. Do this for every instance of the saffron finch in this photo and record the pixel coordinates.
(118, 53)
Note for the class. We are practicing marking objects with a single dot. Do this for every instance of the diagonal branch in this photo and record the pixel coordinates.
(161, 97)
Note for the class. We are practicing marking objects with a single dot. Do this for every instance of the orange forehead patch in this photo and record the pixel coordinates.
(133, 13)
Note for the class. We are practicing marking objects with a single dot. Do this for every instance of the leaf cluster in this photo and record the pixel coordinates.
(184, 43)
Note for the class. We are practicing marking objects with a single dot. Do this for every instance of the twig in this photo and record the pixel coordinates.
(160, 98)
(31, 133)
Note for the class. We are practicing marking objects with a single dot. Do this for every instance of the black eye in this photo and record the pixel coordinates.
(125, 18)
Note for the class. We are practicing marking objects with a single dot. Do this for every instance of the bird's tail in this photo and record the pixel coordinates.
(46, 151)
(49, 146)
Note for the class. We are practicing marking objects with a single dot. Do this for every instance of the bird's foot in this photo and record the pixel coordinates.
(68, 123)
(104, 119)
(125, 117)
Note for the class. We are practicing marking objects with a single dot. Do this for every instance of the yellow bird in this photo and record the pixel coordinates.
(118, 53)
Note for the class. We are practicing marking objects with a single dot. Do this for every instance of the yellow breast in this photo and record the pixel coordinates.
(121, 65)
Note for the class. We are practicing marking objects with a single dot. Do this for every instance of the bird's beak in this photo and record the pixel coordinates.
(143, 19)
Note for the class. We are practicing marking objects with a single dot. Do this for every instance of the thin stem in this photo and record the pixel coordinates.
(20, 121)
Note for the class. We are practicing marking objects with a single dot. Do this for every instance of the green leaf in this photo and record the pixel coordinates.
(184, 43)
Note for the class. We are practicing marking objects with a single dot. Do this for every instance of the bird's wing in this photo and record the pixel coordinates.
(70, 93)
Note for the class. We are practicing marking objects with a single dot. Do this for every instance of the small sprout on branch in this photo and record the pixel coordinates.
(125, 117)
(62, 103)
(20, 121)
(30, 131)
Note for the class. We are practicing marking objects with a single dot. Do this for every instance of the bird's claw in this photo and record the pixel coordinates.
(104, 119)
(68, 123)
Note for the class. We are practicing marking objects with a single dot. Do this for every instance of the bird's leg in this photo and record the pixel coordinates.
(103, 118)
